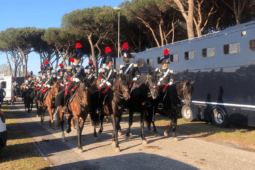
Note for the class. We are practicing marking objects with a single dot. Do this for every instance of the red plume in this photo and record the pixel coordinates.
(72, 59)
(12, 79)
(60, 65)
(90, 60)
(93, 66)
(107, 50)
(31, 71)
(125, 46)
(41, 65)
(15, 78)
(166, 52)
(46, 62)
(78, 45)
(25, 76)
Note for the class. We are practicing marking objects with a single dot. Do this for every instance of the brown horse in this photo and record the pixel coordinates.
(78, 108)
(113, 107)
(48, 103)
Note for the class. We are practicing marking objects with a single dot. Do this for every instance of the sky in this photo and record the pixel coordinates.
(41, 14)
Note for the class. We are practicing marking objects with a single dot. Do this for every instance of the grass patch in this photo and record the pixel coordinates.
(20, 153)
(244, 136)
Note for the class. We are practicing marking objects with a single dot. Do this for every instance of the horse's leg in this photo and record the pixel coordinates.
(153, 122)
(42, 115)
(80, 124)
(175, 125)
(114, 120)
(130, 112)
(106, 119)
(143, 113)
(101, 124)
(61, 117)
(69, 123)
(170, 114)
(118, 126)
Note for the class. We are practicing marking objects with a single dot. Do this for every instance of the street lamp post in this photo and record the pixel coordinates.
(118, 9)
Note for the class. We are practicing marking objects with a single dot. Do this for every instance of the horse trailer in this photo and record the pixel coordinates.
(222, 66)
(6, 85)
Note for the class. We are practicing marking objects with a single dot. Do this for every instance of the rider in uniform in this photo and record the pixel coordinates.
(129, 68)
(89, 74)
(165, 77)
(62, 77)
(77, 73)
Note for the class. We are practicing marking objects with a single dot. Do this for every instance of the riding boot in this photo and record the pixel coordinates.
(65, 109)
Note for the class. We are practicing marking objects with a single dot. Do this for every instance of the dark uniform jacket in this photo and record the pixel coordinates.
(164, 76)
(77, 71)
(110, 74)
(132, 69)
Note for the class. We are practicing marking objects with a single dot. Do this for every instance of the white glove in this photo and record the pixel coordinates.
(76, 80)
(61, 84)
(107, 83)
(135, 79)
(58, 77)
(48, 86)
(121, 71)
(170, 83)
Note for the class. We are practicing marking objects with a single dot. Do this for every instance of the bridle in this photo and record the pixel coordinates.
(151, 87)
(182, 91)
(121, 95)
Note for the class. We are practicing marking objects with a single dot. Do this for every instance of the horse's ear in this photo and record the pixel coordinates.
(192, 82)
(150, 72)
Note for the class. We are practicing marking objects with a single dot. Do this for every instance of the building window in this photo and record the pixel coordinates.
(231, 48)
(159, 60)
(190, 55)
(174, 57)
(150, 62)
(208, 52)
(140, 63)
(252, 45)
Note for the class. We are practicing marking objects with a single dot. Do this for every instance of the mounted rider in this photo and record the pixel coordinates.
(76, 74)
(62, 76)
(129, 68)
(110, 73)
(165, 77)
(90, 69)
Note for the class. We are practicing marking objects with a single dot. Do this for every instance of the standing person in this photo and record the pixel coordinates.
(165, 77)
(2, 94)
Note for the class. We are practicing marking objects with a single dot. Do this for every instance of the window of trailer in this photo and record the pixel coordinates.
(3, 84)
(159, 59)
(252, 45)
(190, 55)
(174, 57)
(233, 48)
(150, 62)
(208, 52)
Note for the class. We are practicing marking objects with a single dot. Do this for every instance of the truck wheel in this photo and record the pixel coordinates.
(187, 113)
(219, 117)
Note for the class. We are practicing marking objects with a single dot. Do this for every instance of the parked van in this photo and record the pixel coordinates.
(6, 84)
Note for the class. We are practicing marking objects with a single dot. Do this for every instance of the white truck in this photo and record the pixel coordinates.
(6, 84)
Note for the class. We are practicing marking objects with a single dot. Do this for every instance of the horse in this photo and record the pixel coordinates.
(172, 104)
(147, 84)
(78, 108)
(48, 103)
(113, 107)
(28, 99)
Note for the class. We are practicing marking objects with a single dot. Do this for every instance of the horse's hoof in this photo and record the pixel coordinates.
(80, 150)
(156, 134)
(165, 134)
(117, 149)
(100, 131)
(68, 130)
(119, 133)
(145, 142)
(128, 137)
(175, 139)
(113, 143)
(95, 138)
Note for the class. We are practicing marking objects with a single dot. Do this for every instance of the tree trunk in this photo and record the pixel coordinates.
(8, 61)
(93, 53)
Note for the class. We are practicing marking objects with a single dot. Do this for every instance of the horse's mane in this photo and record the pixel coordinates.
(143, 78)
(124, 79)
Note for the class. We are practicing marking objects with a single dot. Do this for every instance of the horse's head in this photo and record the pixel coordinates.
(55, 89)
(122, 82)
(152, 84)
(185, 90)
(83, 91)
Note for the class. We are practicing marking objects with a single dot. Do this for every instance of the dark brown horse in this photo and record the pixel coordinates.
(113, 107)
(176, 95)
(78, 108)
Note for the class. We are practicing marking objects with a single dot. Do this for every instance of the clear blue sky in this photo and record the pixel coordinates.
(41, 14)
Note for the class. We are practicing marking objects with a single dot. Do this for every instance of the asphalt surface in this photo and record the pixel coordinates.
(160, 152)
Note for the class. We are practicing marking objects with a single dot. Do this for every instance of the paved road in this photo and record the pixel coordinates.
(160, 152)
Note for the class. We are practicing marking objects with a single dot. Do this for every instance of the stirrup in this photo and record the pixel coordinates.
(160, 106)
